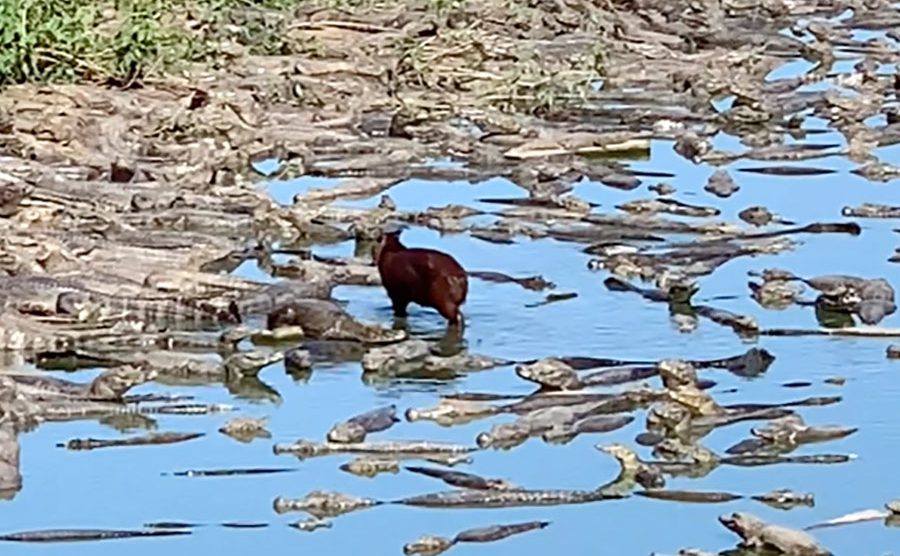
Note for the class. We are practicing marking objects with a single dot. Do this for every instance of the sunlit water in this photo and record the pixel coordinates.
(125, 487)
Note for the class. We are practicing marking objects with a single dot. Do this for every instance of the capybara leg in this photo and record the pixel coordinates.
(460, 323)
(449, 311)
(399, 307)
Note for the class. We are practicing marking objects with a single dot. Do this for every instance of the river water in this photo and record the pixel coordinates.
(126, 487)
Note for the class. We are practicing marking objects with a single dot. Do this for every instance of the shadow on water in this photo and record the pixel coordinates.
(123, 488)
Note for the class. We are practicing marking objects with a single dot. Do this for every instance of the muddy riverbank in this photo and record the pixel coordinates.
(626, 183)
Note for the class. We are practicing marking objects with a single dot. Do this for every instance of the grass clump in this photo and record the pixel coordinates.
(116, 41)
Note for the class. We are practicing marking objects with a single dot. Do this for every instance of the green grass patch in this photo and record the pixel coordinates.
(123, 41)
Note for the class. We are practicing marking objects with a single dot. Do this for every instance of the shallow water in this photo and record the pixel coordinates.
(125, 487)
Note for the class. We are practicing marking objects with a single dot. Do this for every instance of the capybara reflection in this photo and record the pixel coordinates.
(422, 276)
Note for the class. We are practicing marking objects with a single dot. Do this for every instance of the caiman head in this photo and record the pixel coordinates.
(675, 373)
(114, 383)
(249, 363)
(742, 524)
(626, 456)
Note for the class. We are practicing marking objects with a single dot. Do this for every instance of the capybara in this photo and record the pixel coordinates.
(422, 276)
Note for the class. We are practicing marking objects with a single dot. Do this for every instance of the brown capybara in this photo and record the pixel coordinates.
(422, 276)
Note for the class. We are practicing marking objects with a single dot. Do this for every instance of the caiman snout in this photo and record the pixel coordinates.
(730, 521)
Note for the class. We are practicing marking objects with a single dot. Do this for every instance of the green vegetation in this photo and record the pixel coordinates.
(123, 41)
(127, 42)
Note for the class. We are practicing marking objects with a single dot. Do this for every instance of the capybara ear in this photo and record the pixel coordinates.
(393, 228)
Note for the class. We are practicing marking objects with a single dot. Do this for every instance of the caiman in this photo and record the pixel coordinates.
(110, 385)
(10, 477)
(325, 319)
(429, 545)
(756, 534)
(633, 470)
(246, 429)
(871, 300)
(784, 434)
(506, 498)
(65, 313)
(26, 409)
(461, 479)
(322, 504)
(307, 449)
(184, 368)
(366, 466)
(785, 499)
(356, 428)
(561, 415)
(416, 357)
(73, 296)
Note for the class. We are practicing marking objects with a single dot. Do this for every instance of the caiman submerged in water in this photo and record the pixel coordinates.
(27, 400)
(355, 429)
(429, 545)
